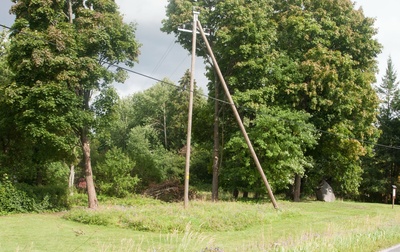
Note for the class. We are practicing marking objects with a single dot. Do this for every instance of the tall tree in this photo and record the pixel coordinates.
(61, 52)
(242, 34)
(319, 56)
(6, 122)
(327, 67)
(384, 168)
(389, 94)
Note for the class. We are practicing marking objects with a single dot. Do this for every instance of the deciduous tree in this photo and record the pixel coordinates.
(327, 67)
(61, 52)
(318, 56)
(242, 35)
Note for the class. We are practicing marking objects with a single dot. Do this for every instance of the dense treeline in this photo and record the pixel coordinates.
(313, 57)
(301, 74)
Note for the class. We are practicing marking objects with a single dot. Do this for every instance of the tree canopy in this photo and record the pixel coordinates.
(383, 168)
(60, 53)
(301, 73)
(318, 56)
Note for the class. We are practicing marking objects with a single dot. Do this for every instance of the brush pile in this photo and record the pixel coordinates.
(168, 191)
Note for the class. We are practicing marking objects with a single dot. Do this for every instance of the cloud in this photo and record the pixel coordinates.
(148, 15)
(149, 11)
(160, 57)
(387, 22)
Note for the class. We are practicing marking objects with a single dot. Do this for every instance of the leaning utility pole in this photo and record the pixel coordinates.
(197, 24)
(237, 116)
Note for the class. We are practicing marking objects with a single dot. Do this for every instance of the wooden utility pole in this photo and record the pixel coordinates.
(238, 119)
(197, 24)
(191, 91)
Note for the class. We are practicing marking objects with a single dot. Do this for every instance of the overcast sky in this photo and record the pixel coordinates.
(161, 57)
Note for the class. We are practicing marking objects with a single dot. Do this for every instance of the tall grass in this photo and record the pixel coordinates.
(140, 224)
(167, 218)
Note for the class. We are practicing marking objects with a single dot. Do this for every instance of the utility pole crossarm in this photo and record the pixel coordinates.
(187, 30)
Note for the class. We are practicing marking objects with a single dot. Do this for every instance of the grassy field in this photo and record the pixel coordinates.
(148, 225)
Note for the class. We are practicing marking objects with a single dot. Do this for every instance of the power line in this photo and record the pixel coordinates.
(177, 67)
(164, 56)
(162, 81)
(118, 66)
(219, 100)
(299, 123)
(5, 26)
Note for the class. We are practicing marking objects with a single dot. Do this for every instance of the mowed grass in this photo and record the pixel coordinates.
(149, 225)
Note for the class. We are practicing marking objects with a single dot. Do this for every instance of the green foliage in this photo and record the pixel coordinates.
(23, 199)
(77, 199)
(60, 54)
(327, 67)
(153, 162)
(51, 197)
(204, 217)
(89, 217)
(383, 169)
(308, 226)
(316, 56)
(56, 174)
(114, 174)
(163, 107)
(200, 166)
(282, 138)
(5, 73)
(11, 199)
(148, 127)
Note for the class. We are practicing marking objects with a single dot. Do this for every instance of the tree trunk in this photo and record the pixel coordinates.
(71, 179)
(165, 126)
(235, 193)
(39, 176)
(297, 190)
(214, 194)
(70, 14)
(91, 191)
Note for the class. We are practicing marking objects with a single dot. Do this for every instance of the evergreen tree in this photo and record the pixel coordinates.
(383, 169)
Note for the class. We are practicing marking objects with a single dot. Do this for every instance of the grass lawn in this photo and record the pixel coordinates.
(149, 225)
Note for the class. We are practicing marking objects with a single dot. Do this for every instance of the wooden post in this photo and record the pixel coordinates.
(189, 131)
(393, 195)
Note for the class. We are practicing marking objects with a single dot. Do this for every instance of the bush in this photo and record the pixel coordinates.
(11, 199)
(24, 198)
(54, 195)
(78, 199)
(113, 175)
(90, 217)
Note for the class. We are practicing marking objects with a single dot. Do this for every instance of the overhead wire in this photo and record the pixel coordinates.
(222, 101)
(179, 65)
(300, 123)
(164, 56)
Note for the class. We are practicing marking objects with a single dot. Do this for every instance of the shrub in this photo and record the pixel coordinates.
(113, 174)
(52, 197)
(11, 199)
(24, 198)
(78, 199)
(90, 217)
